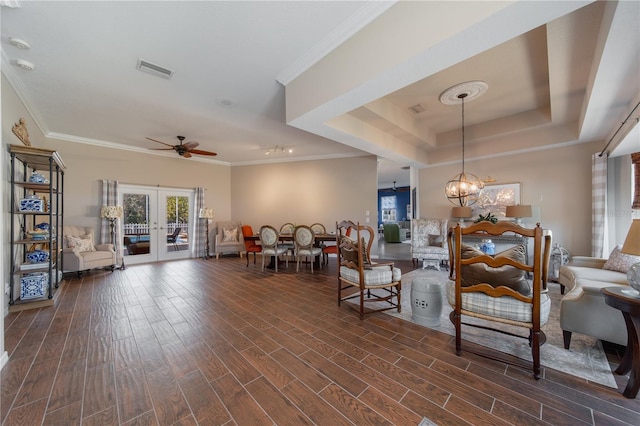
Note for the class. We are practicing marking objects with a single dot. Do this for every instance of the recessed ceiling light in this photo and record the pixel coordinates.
(20, 44)
(26, 65)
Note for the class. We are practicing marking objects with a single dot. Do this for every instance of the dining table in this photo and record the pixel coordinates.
(319, 238)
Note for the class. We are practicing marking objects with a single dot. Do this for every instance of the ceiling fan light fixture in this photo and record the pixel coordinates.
(20, 44)
(25, 65)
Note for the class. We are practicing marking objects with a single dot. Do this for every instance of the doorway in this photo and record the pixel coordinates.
(156, 223)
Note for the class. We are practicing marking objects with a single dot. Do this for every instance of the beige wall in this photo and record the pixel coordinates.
(556, 182)
(305, 192)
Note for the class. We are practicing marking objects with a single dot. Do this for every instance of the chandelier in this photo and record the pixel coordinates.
(464, 188)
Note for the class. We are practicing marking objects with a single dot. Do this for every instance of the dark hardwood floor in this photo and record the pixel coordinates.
(214, 342)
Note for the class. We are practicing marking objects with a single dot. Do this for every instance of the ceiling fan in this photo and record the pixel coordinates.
(395, 189)
(184, 149)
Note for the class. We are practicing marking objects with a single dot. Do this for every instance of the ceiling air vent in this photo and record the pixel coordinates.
(154, 69)
(417, 109)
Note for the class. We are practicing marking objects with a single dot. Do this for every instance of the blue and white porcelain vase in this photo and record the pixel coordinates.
(488, 247)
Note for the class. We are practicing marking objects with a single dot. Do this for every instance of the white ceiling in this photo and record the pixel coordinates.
(570, 71)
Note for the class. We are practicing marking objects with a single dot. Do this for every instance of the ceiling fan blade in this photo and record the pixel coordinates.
(190, 145)
(201, 152)
(186, 154)
(160, 142)
(162, 149)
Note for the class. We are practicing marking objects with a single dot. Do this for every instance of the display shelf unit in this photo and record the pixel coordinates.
(47, 275)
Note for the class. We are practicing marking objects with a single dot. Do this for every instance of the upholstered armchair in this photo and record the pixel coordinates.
(429, 240)
(393, 233)
(79, 253)
(229, 238)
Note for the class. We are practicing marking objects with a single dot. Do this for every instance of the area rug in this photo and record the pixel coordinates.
(586, 358)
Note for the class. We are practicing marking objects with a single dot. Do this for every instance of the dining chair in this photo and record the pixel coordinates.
(287, 229)
(269, 239)
(250, 246)
(304, 243)
(496, 289)
(318, 228)
(374, 282)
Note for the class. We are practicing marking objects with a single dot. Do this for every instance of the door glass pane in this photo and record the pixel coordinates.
(177, 223)
(136, 224)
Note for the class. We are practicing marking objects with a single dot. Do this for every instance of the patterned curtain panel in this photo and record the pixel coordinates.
(635, 159)
(197, 248)
(110, 198)
(599, 234)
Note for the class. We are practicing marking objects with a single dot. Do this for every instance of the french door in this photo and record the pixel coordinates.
(156, 223)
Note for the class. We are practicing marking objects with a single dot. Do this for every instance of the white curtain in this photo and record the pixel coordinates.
(198, 246)
(599, 234)
(110, 198)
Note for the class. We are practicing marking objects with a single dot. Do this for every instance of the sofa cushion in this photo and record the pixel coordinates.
(435, 240)
(506, 275)
(81, 244)
(230, 234)
(619, 261)
(573, 273)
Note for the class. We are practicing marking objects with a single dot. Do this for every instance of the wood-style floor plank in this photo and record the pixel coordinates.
(194, 342)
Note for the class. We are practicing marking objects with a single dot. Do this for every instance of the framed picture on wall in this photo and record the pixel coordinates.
(495, 199)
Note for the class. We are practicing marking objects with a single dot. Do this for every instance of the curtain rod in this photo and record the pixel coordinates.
(621, 124)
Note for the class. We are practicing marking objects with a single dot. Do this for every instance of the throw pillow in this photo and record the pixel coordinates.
(230, 235)
(435, 240)
(351, 254)
(507, 276)
(619, 261)
(81, 244)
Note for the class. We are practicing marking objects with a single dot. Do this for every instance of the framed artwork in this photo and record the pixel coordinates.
(495, 199)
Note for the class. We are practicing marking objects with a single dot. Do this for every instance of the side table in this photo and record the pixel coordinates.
(630, 307)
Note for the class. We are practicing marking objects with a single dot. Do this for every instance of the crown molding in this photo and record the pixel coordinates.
(343, 32)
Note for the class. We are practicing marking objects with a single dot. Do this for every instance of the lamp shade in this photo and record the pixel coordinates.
(523, 210)
(461, 212)
(206, 213)
(632, 242)
(111, 212)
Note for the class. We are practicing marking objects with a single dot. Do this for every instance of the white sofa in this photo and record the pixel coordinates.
(583, 309)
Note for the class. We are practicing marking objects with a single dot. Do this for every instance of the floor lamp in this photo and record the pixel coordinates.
(112, 214)
(207, 214)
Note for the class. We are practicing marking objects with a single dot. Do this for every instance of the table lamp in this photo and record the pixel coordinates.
(206, 213)
(461, 213)
(518, 212)
(632, 246)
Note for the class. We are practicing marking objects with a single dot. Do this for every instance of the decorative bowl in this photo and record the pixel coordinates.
(38, 256)
(38, 234)
(43, 226)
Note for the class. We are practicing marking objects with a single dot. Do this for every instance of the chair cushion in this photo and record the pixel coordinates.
(374, 276)
(505, 307)
(507, 276)
(81, 244)
(619, 261)
(314, 251)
